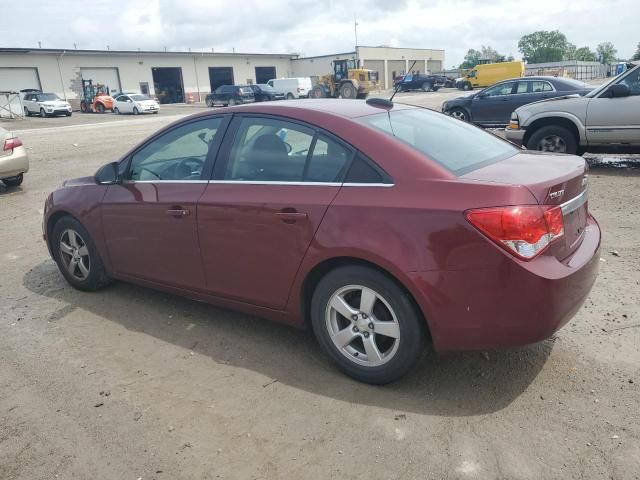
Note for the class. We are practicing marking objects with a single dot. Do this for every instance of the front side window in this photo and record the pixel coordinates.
(177, 155)
(633, 82)
(502, 89)
(457, 146)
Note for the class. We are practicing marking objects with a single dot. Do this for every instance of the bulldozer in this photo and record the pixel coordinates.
(347, 81)
(95, 98)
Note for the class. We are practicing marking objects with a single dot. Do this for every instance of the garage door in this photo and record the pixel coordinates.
(106, 76)
(16, 79)
(396, 67)
(435, 66)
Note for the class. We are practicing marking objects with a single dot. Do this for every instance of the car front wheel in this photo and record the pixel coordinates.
(367, 324)
(76, 255)
(460, 114)
(553, 138)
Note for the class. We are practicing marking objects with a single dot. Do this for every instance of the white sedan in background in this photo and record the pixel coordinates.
(14, 162)
(135, 103)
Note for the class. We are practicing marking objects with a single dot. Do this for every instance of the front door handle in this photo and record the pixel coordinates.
(178, 212)
(291, 215)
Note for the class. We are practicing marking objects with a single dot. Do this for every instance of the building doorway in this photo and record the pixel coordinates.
(264, 74)
(219, 76)
(168, 85)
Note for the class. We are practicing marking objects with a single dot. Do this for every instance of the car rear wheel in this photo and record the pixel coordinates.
(77, 256)
(367, 324)
(460, 114)
(290, 96)
(116, 110)
(426, 86)
(232, 102)
(27, 113)
(14, 181)
(553, 138)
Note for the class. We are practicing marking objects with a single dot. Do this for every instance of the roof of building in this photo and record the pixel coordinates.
(73, 51)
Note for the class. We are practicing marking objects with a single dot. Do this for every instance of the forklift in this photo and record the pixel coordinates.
(95, 98)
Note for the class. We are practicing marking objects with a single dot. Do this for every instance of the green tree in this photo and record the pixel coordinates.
(570, 52)
(471, 59)
(585, 54)
(543, 46)
(489, 53)
(607, 52)
(636, 56)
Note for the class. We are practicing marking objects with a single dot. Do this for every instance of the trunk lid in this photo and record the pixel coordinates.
(552, 180)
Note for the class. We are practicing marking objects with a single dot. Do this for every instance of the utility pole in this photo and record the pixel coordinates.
(355, 28)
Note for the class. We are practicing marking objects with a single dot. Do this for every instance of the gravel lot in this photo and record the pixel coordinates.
(129, 383)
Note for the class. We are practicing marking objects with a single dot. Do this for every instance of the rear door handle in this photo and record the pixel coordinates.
(178, 212)
(291, 215)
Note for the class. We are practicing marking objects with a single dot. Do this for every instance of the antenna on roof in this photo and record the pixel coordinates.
(399, 83)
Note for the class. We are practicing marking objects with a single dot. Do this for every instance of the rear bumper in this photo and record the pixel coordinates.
(515, 135)
(517, 303)
(14, 164)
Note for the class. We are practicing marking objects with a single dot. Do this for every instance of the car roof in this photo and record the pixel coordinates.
(328, 106)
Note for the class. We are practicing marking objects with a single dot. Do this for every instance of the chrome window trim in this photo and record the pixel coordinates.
(324, 184)
(165, 181)
(384, 185)
(575, 203)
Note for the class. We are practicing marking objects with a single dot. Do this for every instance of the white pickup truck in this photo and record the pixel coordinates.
(606, 117)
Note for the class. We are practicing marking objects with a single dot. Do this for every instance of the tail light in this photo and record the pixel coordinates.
(11, 143)
(524, 231)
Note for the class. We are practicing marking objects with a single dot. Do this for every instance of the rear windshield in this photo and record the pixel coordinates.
(454, 144)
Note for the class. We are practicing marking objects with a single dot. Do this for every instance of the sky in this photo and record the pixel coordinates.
(315, 27)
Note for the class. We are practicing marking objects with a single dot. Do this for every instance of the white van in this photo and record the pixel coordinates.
(292, 87)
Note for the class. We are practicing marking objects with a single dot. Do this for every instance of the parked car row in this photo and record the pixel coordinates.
(275, 89)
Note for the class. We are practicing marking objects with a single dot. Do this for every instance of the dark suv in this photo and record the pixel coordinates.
(230, 95)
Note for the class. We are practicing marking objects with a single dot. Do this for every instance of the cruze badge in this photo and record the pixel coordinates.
(555, 195)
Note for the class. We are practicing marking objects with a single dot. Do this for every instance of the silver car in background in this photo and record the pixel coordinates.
(608, 116)
(14, 162)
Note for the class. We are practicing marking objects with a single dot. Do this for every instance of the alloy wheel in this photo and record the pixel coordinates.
(459, 114)
(552, 143)
(74, 254)
(362, 325)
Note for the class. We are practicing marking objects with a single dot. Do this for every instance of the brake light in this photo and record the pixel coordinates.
(524, 231)
(11, 143)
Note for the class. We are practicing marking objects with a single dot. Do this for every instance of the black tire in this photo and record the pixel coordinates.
(210, 103)
(317, 92)
(410, 323)
(362, 96)
(100, 108)
(347, 90)
(290, 96)
(68, 114)
(467, 86)
(460, 114)
(232, 102)
(435, 89)
(43, 114)
(563, 139)
(426, 87)
(97, 276)
(27, 113)
(136, 111)
(14, 181)
(116, 110)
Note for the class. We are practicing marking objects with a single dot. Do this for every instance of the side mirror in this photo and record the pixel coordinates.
(108, 174)
(618, 90)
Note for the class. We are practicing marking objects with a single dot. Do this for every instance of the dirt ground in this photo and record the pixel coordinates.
(129, 383)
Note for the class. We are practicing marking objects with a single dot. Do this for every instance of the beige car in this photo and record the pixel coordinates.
(14, 162)
(608, 116)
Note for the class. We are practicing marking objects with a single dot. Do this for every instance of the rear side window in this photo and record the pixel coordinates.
(362, 171)
(456, 145)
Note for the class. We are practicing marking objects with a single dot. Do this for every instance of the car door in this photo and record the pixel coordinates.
(269, 194)
(149, 220)
(493, 105)
(616, 120)
(125, 104)
(28, 102)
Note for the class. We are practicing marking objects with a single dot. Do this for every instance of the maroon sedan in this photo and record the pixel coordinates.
(383, 227)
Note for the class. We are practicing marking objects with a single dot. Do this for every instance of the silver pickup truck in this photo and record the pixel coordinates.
(607, 116)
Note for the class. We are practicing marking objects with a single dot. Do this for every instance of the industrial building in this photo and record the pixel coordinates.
(183, 77)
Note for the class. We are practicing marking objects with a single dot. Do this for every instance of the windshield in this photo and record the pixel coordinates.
(456, 145)
(139, 98)
(47, 97)
(597, 91)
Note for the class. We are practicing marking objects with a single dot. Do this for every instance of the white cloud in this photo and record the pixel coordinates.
(317, 26)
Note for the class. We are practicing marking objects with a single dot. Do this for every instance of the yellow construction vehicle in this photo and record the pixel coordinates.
(347, 81)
